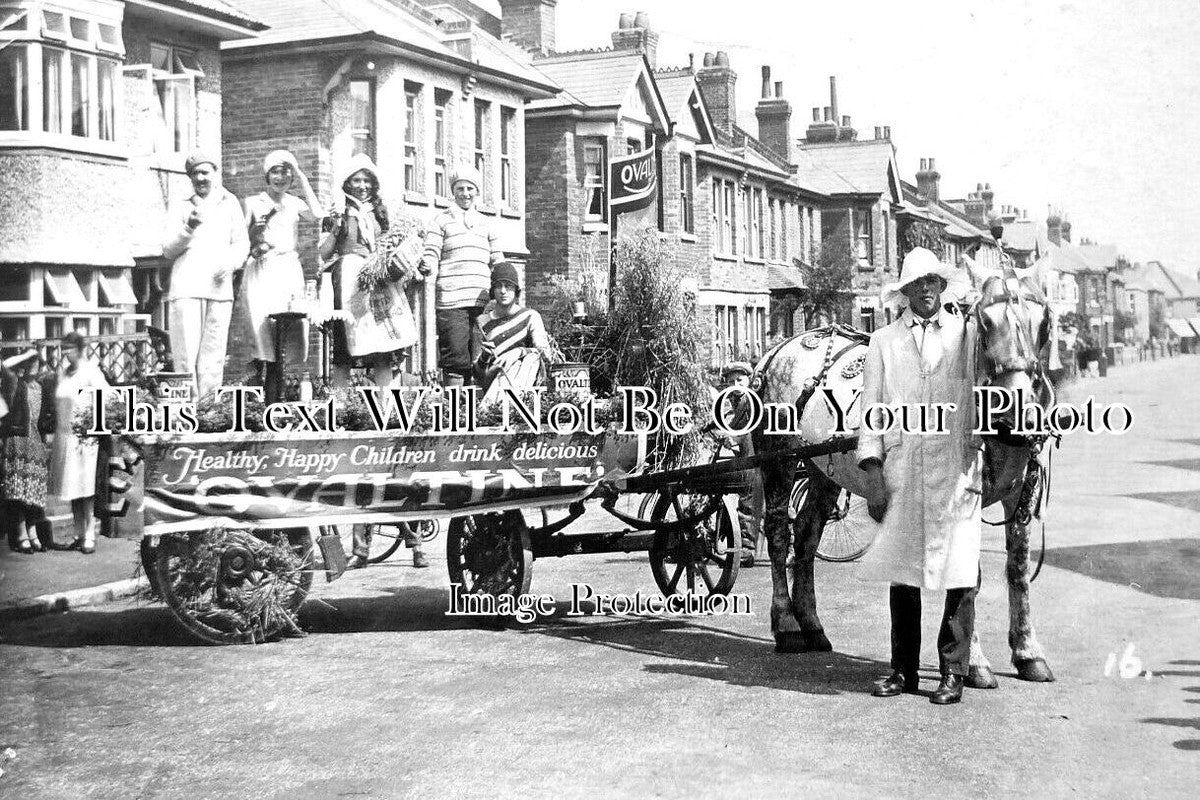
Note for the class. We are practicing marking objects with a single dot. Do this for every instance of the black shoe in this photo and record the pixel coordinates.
(896, 683)
(420, 560)
(949, 691)
(747, 559)
(356, 562)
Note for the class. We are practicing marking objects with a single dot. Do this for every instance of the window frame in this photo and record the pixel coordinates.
(482, 146)
(687, 194)
(364, 137)
(413, 176)
(597, 183)
(441, 142)
(508, 140)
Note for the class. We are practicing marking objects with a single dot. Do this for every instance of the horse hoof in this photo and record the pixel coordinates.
(1034, 669)
(817, 642)
(981, 678)
(789, 642)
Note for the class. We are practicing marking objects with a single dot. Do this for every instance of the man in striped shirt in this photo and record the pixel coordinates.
(460, 249)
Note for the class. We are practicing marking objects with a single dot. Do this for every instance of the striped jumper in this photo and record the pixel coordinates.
(464, 247)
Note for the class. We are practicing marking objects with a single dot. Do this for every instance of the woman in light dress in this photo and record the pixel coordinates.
(375, 323)
(273, 274)
(73, 458)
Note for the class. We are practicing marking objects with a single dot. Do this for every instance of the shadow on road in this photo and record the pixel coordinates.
(715, 654)
(1193, 723)
(1164, 567)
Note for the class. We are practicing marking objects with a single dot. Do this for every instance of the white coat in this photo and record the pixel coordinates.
(930, 534)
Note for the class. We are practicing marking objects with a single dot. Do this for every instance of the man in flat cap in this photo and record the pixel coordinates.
(206, 239)
(460, 250)
(751, 501)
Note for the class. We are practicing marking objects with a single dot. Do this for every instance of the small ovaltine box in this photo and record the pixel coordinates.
(174, 385)
(570, 379)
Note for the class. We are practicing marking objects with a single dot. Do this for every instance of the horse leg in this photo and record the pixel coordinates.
(777, 485)
(810, 524)
(1027, 654)
(979, 669)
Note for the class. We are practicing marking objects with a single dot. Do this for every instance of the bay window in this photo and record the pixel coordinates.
(174, 72)
(58, 72)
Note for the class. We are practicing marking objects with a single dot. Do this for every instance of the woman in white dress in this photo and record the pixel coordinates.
(378, 322)
(273, 274)
(73, 458)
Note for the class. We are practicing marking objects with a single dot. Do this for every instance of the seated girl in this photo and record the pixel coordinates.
(513, 338)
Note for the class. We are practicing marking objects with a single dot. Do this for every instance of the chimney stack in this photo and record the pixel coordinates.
(718, 84)
(829, 129)
(1066, 230)
(928, 181)
(774, 118)
(529, 24)
(634, 33)
(988, 195)
(1054, 226)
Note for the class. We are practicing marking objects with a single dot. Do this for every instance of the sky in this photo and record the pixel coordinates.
(1087, 105)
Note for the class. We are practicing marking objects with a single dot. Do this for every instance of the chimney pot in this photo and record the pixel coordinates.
(979, 187)
(932, 168)
(887, 131)
(833, 104)
(625, 20)
(779, 89)
(722, 58)
(816, 113)
(691, 61)
(878, 132)
(987, 186)
(766, 82)
(709, 60)
(846, 121)
(828, 113)
(642, 20)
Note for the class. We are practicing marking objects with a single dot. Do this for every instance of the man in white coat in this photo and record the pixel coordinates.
(924, 488)
(207, 239)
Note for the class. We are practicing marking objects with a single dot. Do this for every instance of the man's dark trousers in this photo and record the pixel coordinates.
(954, 637)
(458, 340)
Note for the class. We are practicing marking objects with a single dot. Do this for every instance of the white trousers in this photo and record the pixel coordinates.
(199, 331)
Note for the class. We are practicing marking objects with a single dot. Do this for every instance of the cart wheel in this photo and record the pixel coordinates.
(490, 554)
(849, 532)
(705, 558)
(228, 586)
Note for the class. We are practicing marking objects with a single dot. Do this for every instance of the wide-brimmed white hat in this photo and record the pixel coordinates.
(278, 158)
(919, 263)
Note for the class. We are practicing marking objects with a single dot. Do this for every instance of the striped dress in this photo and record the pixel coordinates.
(464, 247)
(522, 328)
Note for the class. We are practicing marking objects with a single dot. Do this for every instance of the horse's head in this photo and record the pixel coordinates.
(1014, 323)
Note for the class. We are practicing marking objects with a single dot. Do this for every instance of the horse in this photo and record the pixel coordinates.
(1014, 326)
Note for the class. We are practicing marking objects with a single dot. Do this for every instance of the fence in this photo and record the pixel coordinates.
(124, 359)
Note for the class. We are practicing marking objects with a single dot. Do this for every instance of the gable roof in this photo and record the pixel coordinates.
(840, 168)
(955, 223)
(682, 97)
(1173, 284)
(600, 79)
(395, 24)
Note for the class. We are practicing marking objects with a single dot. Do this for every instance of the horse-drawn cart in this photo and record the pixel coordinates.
(236, 524)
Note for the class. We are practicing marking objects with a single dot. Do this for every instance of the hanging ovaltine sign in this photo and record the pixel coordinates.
(633, 182)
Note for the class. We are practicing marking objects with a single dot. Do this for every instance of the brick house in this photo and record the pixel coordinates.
(731, 207)
(100, 100)
(862, 182)
(418, 89)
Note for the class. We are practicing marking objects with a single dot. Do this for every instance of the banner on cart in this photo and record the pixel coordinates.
(307, 480)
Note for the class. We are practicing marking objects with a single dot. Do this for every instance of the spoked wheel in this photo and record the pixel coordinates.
(229, 586)
(490, 554)
(701, 560)
(848, 532)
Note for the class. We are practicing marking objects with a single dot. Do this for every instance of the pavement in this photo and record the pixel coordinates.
(388, 697)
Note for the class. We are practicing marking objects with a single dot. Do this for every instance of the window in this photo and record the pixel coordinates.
(412, 125)
(362, 117)
(594, 167)
(760, 315)
(773, 230)
(784, 242)
(866, 319)
(508, 133)
(441, 139)
(174, 72)
(744, 227)
(482, 112)
(632, 146)
(14, 88)
(862, 236)
(754, 212)
(687, 188)
(726, 333)
(724, 223)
